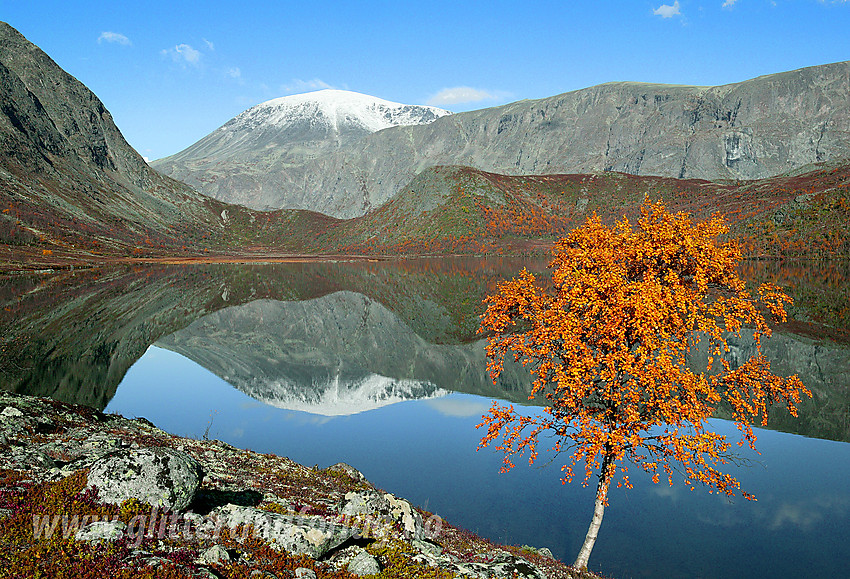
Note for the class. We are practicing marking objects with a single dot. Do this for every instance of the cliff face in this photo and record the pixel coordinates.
(753, 129)
(45, 107)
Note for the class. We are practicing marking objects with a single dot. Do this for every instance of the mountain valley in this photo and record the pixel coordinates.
(74, 192)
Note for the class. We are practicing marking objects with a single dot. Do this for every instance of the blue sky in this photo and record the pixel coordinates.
(171, 72)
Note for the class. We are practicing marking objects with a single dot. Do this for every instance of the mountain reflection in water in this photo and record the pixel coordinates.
(336, 338)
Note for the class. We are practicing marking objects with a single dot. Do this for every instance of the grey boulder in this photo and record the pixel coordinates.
(296, 534)
(364, 564)
(101, 531)
(383, 509)
(163, 477)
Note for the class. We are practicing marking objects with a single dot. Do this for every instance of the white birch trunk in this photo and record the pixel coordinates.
(596, 521)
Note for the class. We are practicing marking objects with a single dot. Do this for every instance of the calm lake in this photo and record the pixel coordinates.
(378, 365)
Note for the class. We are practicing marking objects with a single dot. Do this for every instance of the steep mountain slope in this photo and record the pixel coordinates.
(62, 159)
(232, 163)
(70, 183)
(753, 129)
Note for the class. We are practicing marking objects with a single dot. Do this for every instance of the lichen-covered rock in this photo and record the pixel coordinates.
(496, 564)
(296, 534)
(364, 503)
(355, 559)
(155, 562)
(410, 520)
(164, 477)
(13, 424)
(364, 564)
(508, 565)
(11, 412)
(352, 472)
(382, 510)
(28, 459)
(101, 531)
(215, 554)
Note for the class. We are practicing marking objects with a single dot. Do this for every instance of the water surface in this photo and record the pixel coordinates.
(378, 365)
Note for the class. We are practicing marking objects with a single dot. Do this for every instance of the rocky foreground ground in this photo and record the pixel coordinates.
(87, 494)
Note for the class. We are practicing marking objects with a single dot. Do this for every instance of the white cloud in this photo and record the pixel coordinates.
(667, 11)
(463, 94)
(183, 53)
(114, 37)
(209, 44)
(298, 86)
(234, 73)
(457, 407)
(729, 3)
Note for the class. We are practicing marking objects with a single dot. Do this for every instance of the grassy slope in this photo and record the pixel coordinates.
(462, 209)
(442, 210)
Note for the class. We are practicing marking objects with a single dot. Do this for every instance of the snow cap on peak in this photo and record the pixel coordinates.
(339, 108)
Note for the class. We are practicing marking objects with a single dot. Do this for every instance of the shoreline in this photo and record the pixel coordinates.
(252, 501)
(26, 259)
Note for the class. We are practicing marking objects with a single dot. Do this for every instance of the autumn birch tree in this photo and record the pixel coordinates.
(607, 343)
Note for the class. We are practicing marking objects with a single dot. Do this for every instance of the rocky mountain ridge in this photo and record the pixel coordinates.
(748, 130)
(285, 132)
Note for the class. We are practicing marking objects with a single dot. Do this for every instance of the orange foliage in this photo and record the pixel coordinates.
(525, 216)
(607, 345)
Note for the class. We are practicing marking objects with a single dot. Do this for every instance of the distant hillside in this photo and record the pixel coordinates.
(460, 209)
(749, 130)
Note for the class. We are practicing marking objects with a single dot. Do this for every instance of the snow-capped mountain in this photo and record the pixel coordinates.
(747, 130)
(255, 158)
(338, 110)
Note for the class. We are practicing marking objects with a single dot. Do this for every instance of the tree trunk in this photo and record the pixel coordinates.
(596, 521)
